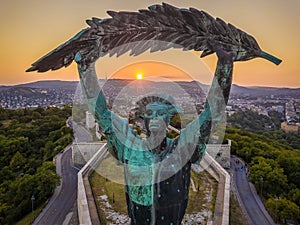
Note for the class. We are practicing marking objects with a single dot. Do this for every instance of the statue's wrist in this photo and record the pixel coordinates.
(225, 62)
(226, 57)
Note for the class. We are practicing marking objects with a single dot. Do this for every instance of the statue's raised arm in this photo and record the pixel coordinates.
(159, 28)
(157, 179)
(197, 133)
(109, 122)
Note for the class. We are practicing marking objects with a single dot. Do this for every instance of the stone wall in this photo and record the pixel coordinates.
(221, 153)
(83, 152)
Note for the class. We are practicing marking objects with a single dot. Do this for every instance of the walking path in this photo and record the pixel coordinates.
(59, 208)
(249, 199)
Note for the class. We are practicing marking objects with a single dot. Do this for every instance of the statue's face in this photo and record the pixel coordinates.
(156, 117)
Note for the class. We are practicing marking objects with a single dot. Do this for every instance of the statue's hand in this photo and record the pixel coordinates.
(223, 55)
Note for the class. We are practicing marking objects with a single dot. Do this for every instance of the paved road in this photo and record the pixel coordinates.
(59, 209)
(81, 134)
(249, 198)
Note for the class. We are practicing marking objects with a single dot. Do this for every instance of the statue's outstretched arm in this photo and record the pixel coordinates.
(109, 122)
(91, 89)
(93, 95)
(199, 130)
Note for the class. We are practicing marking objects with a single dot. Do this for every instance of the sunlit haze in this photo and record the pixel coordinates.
(30, 29)
(139, 76)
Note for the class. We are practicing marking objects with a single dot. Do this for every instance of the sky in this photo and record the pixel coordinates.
(32, 28)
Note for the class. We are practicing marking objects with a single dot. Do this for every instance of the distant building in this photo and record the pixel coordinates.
(263, 112)
(229, 108)
(280, 108)
(289, 127)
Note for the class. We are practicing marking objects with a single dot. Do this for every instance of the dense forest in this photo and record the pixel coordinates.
(273, 158)
(267, 126)
(29, 139)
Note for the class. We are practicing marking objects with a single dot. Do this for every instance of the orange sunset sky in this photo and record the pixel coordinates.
(31, 28)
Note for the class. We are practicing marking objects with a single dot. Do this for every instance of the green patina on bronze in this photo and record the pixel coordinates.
(157, 170)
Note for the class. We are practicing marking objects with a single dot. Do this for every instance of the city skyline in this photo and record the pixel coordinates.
(32, 29)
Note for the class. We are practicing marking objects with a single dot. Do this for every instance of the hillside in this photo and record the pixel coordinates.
(119, 83)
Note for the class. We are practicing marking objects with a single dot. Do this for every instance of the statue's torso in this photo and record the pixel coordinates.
(156, 191)
(159, 179)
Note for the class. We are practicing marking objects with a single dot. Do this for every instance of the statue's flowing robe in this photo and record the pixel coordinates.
(157, 184)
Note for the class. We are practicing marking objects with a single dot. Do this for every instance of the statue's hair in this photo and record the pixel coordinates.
(164, 99)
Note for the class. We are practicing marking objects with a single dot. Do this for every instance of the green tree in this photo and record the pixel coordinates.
(28, 138)
(290, 162)
(294, 195)
(47, 180)
(282, 209)
(47, 150)
(276, 182)
(259, 171)
(17, 162)
(18, 197)
(6, 174)
(36, 115)
(267, 176)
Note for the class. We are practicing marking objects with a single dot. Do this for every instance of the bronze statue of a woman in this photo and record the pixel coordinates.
(157, 170)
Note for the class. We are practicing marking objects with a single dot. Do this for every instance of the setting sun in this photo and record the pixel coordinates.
(139, 76)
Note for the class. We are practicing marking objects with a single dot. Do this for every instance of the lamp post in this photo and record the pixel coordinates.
(261, 185)
(32, 200)
(276, 199)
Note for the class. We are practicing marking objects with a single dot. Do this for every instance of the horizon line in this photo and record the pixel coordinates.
(246, 86)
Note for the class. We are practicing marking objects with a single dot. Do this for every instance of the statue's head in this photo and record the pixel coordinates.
(157, 112)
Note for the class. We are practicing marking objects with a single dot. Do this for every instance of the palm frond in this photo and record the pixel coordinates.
(157, 28)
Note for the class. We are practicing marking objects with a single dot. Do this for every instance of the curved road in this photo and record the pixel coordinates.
(59, 209)
(248, 196)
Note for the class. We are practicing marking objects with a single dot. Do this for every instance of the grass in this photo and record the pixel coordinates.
(103, 186)
(236, 216)
(115, 193)
(198, 200)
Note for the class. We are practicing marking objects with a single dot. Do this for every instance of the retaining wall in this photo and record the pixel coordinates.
(87, 210)
(87, 207)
